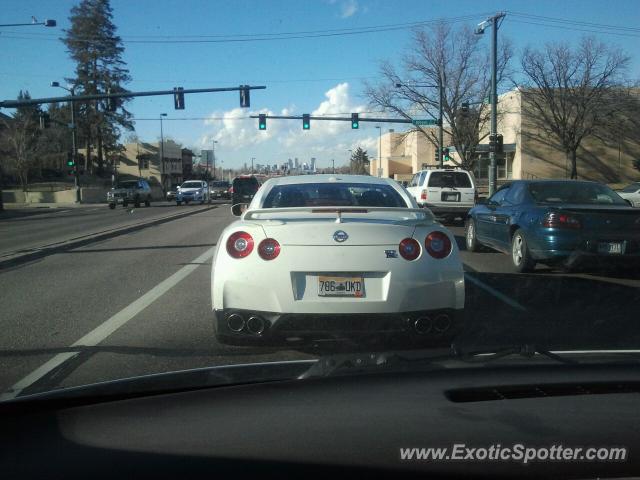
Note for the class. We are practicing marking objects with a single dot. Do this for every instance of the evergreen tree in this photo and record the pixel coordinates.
(97, 50)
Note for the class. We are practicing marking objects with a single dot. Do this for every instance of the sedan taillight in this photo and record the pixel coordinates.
(560, 220)
(409, 249)
(268, 249)
(438, 244)
(239, 244)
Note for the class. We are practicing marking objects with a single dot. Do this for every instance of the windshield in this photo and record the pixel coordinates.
(633, 188)
(261, 148)
(580, 193)
(343, 194)
(191, 185)
(131, 184)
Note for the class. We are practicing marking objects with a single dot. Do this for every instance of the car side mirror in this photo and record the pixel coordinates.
(238, 209)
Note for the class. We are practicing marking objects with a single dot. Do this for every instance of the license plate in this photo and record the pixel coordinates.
(329, 286)
(611, 248)
(450, 197)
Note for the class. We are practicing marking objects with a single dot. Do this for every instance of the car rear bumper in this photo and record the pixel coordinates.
(587, 251)
(444, 210)
(436, 327)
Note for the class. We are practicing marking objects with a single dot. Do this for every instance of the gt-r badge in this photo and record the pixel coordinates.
(391, 253)
(340, 236)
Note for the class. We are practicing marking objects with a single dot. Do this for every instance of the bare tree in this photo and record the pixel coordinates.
(572, 93)
(456, 57)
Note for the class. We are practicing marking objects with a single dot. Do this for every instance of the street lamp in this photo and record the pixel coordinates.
(379, 172)
(213, 154)
(162, 169)
(34, 21)
(76, 176)
(493, 21)
(440, 87)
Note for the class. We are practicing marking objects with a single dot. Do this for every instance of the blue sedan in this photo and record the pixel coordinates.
(555, 222)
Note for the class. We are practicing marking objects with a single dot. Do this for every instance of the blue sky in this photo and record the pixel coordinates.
(323, 75)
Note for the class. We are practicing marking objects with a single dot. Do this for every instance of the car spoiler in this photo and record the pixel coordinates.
(420, 213)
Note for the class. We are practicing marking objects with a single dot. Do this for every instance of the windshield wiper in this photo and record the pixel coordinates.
(523, 350)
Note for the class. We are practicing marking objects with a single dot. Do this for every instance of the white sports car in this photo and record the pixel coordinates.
(326, 257)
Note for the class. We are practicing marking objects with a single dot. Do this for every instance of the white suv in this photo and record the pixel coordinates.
(447, 192)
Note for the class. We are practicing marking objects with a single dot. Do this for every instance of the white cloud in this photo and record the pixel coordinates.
(239, 137)
(348, 8)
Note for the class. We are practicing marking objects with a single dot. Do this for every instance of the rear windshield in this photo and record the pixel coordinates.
(245, 186)
(220, 184)
(129, 184)
(450, 180)
(333, 194)
(574, 192)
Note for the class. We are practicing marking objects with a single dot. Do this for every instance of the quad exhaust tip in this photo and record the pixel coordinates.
(235, 322)
(442, 323)
(422, 325)
(255, 325)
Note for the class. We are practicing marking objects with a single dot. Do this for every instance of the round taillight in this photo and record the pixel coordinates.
(269, 249)
(409, 249)
(240, 244)
(438, 244)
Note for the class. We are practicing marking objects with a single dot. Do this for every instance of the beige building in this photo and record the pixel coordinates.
(143, 160)
(402, 154)
(528, 154)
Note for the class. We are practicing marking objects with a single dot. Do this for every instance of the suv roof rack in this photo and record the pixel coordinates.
(438, 167)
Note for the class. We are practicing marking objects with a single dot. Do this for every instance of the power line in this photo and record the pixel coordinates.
(574, 22)
(236, 38)
(565, 27)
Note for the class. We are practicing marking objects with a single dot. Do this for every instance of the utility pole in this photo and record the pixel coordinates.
(162, 169)
(74, 155)
(252, 159)
(494, 96)
(333, 165)
(440, 117)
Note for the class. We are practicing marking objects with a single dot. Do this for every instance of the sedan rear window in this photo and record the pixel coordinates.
(574, 192)
(450, 180)
(333, 194)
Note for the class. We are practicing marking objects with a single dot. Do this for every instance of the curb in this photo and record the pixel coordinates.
(15, 258)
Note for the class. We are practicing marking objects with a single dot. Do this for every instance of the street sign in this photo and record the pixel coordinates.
(423, 122)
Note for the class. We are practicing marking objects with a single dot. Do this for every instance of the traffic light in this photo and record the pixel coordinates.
(178, 98)
(262, 121)
(499, 144)
(306, 121)
(465, 109)
(355, 121)
(71, 164)
(245, 100)
(436, 156)
(492, 143)
(445, 154)
(45, 120)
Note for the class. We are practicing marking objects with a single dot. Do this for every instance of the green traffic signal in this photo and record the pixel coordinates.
(306, 121)
(355, 121)
(262, 121)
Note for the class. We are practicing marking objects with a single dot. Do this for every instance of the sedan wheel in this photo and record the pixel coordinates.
(520, 255)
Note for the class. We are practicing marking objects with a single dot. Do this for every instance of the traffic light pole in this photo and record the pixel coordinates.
(494, 103)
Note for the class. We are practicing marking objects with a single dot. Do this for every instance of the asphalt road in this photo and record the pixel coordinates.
(139, 303)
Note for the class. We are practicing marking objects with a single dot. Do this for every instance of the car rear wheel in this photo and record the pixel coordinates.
(112, 206)
(470, 236)
(124, 204)
(136, 202)
(147, 202)
(520, 255)
(178, 203)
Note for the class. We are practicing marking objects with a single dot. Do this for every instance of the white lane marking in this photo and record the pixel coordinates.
(101, 332)
(499, 295)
